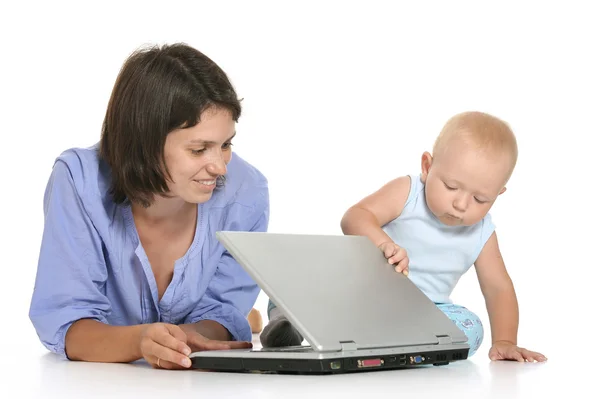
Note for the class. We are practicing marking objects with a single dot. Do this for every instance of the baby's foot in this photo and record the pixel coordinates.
(279, 332)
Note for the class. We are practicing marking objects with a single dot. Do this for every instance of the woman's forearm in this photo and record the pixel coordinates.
(210, 329)
(93, 341)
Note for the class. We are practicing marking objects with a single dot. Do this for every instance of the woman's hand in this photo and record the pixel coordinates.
(165, 346)
(168, 346)
(198, 342)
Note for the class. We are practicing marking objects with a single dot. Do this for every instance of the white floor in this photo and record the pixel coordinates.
(38, 374)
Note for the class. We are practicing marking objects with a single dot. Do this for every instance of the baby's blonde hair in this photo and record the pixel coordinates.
(479, 131)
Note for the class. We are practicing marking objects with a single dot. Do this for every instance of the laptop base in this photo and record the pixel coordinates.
(330, 365)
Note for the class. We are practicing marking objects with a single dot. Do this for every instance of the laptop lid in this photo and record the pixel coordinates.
(339, 291)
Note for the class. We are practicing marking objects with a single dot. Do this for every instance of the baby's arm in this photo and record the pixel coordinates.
(369, 214)
(374, 211)
(502, 306)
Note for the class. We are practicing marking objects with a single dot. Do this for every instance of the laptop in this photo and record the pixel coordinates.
(354, 310)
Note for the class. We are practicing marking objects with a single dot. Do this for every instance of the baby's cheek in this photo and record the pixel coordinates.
(476, 217)
(437, 204)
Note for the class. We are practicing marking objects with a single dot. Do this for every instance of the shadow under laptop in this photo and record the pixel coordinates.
(460, 377)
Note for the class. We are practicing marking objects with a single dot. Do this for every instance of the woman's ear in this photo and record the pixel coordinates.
(426, 160)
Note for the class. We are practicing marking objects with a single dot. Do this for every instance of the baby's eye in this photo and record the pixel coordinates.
(449, 188)
(480, 201)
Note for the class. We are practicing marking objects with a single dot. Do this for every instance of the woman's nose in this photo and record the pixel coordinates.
(217, 166)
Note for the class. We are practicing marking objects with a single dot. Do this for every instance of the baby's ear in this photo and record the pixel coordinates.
(502, 191)
(426, 160)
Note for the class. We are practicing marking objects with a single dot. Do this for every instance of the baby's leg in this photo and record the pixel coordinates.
(467, 321)
(255, 321)
(279, 331)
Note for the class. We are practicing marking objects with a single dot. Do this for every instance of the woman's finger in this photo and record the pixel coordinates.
(165, 364)
(173, 338)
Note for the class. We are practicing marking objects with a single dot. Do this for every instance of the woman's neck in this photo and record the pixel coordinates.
(164, 210)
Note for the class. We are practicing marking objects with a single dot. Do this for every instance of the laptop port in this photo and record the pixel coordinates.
(401, 359)
(335, 365)
(417, 359)
(370, 363)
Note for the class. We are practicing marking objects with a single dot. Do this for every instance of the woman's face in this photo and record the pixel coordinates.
(195, 157)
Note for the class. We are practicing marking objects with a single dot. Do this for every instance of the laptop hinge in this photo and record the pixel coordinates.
(348, 345)
(444, 339)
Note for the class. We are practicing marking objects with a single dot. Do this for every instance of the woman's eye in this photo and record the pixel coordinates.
(198, 152)
(226, 146)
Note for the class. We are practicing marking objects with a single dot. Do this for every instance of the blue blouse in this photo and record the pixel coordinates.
(92, 264)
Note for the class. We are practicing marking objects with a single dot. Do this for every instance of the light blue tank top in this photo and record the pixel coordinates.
(438, 254)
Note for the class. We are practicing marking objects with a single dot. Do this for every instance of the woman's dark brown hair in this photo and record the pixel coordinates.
(159, 89)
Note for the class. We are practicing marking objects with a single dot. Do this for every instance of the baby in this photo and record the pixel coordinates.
(437, 226)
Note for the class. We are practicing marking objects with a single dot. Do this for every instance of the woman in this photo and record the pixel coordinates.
(129, 265)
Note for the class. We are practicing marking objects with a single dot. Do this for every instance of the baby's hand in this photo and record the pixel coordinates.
(504, 350)
(395, 256)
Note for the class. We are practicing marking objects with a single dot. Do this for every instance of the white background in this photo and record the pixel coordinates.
(339, 98)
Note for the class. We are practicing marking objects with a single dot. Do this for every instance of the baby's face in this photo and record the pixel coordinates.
(462, 184)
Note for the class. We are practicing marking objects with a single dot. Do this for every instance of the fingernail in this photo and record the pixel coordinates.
(186, 362)
(405, 272)
(187, 351)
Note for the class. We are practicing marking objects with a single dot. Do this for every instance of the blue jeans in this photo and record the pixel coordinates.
(464, 319)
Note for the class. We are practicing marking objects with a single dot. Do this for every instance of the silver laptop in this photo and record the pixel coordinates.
(349, 304)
